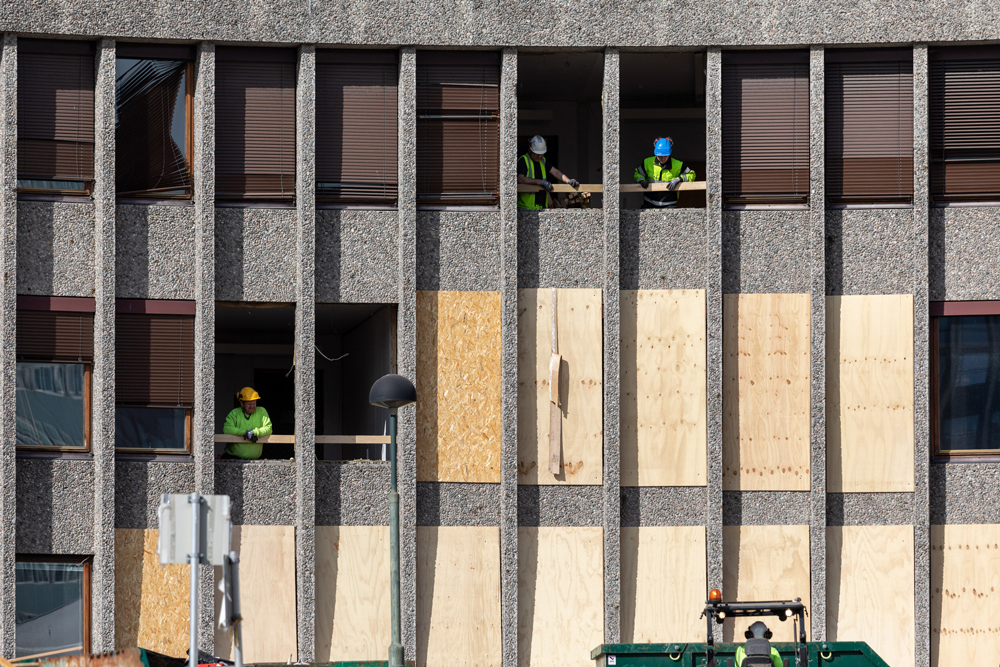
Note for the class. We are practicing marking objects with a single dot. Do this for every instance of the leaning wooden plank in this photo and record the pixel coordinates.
(320, 439)
(273, 439)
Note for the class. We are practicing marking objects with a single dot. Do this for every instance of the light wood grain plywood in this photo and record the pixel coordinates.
(764, 563)
(766, 392)
(151, 600)
(965, 595)
(663, 381)
(581, 388)
(664, 583)
(560, 596)
(458, 596)
(267, 595)
(869, 572)
(352, 592)
(869, 393)
(458, 387)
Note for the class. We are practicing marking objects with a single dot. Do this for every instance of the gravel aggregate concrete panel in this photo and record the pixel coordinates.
(352, 493)
(766, 252)
(458, 251)
(964, 493)
(458, 504)
(261, 493)
(357, 256)
(560, 248)
(663, 249)
(869, 251)
(255, 251)
(964, 254)
(55, 248)
(139, 486)
(869, 509)
(55, 509)
(766, 508)
(575, 505)
(155, 252)
(663, 506)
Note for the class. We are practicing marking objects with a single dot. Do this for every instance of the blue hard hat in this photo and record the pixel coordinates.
(662, 147)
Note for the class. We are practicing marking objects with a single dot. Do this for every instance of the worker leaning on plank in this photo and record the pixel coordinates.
(532, 170)
(249, 421)
(661, 167)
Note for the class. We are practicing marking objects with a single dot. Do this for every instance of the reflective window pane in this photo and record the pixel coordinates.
(49, 405)
(49, 605)
(969, 383)
(149, 428)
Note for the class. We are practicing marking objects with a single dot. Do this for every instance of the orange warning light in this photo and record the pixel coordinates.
(715, 595)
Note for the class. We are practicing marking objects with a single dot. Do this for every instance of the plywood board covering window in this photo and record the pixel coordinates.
(663, 376)
(560, 595)
(581, 385)
(152, 601)
(869, 574)
(965, 595)
(765, 392)
(352, 592)
(764, 563)
(458, 387)
(267, 595)
(869, 393)
(663, 583)
(458, 596)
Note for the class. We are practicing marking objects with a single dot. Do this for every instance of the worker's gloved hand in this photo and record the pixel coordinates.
(672, 185)
(644, 183)
(249, 435)
(573, 183)
(546, 185)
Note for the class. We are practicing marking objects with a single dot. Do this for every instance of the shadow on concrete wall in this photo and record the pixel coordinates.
(429, 251)
(528, 240)
(328, 254)
(937, 249)
(132, 252)
(230, 227)
(834, 252)
(35, 510)
(35, 248)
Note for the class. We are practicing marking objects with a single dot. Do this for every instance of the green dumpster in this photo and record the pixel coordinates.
(820, 654)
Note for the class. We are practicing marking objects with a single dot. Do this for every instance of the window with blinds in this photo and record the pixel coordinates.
(356, 126)
(765, 127)
(458, 128)
(55, 116)
(869, 126)
(964, 106)
(154, 103)
(255, 124)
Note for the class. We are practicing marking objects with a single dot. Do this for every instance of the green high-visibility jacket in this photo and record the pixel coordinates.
(652, 170)
(238, 423)
(530, 199)
(741, 654)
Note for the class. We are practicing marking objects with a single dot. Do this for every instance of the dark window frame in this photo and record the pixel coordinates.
(87, 563)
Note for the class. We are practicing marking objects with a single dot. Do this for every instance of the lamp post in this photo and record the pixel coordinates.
(393, 392)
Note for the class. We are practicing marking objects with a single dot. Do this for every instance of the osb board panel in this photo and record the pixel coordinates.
(869, 393)
(663, 378)
(560, 595)
(765, 392)
(764, 563)
(458, 386)
(581, 385)
(352, 592)
(267, 595)
(965, 595)
(869, 571)
(151, 600)
(664, 581)
(458, 596)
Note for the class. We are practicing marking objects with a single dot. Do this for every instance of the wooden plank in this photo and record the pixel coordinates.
(869, 571)
(624, 187)
(352, 593)
(664, 584)
(869, 393)
(965, 595)
(560, 595)
(764, 563)
(663, 388)
(766, 392)
(151, 600)
(267, 595)
(458, 387)
(458, 596)
(320, 439)
(582, 385)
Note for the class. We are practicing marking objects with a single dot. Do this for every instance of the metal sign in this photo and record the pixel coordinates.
(175, 514)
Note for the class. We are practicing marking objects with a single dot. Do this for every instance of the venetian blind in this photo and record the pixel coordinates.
(154, 360)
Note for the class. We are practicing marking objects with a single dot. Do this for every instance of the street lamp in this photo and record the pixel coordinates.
(393, 392)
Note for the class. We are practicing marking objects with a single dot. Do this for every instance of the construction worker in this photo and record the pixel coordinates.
(533, 170)
(758, 630)
(248, 421)
(661, 167)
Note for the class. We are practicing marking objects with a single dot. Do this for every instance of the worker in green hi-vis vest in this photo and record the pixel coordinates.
(533, 170)
(662, 167)
(249, 421)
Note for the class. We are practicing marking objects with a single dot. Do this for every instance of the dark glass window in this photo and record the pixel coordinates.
(151, 428)
(51, 609)
(51, 405)
(968, 384)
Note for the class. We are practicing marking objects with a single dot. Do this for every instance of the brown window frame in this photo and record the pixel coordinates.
(939, 309)
(86, 602)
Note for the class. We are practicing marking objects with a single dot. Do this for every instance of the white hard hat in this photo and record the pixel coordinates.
(537, 145)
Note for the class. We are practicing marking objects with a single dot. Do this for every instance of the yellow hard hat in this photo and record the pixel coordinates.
(248, 394)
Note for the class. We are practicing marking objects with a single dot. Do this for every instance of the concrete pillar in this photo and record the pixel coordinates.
(817, 248)
(8, 311)
(508, 356)
(305, 356)
(406, 347)
(103, 388)
(203, 436)
(612, 353)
